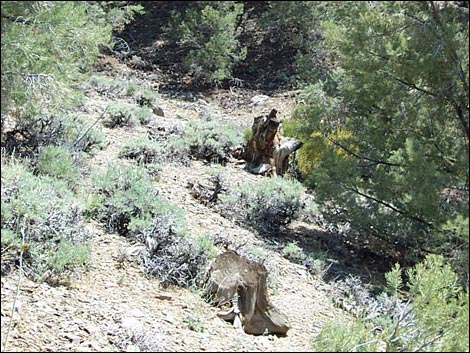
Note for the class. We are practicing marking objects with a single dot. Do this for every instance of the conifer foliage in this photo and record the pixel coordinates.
(386, 134)
(47, 51)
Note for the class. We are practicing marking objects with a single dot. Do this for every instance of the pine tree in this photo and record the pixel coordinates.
(386, 146)
(46, 48)
(47, 51)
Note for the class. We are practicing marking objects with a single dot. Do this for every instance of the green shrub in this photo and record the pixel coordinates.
(41, 212)
(142, 150)
(345, 337)
(80, 134)
(119, 88)
(124, 114)
(293, 251)
(11, 247)
(394, 188)
(10, 239)
(175, 259)
(431, 316)
(254, 253)
(144, 115)
(58, 162)
(125, 200)
(209, 30)
(131, 88)
(69, 254)
(119, 13)
(64, 129)
(297, 25)
(153, 169)
(120, 114)
(137, 62)
(247, 134)
(46, 53)
(194, 324)
(268, 205)
(314, 262)
(452, 239)
(441, 306)
(147, 97)
(110, 87)
(205, 245)
(210, 140)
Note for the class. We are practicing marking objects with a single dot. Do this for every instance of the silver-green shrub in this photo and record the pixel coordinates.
(267, 205)
(42, 214)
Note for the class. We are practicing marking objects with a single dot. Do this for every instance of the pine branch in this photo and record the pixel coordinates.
(374, 161)
(390, 206)
(17, 19)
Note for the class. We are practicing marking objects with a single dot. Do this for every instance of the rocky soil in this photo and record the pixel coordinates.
(113, 306)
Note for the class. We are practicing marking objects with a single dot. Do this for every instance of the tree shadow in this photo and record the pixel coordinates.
(268, 66)
(341, 258)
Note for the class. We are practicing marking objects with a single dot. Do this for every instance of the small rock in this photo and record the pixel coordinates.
(131, 323)
(132, 348)
(18, 306)
(259, 99)
(78, 321)
(92, 344)
(158, 111)
(136, 313)
(72, 338)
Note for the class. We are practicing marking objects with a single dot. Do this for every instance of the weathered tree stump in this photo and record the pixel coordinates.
(233, 276)
(268, 150)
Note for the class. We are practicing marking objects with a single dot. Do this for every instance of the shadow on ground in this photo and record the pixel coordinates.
(341, 258)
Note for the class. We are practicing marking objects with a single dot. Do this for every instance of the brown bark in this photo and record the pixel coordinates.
(233, 276)
(268, 150)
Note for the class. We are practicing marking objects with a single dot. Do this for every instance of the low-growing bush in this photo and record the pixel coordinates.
(147, 97)
(41, 221)
(352, 336)
(69, 254)
(143, 150)
(268, 205)
(212, 141)
(70, 129)
(144, 114)
(176, 260)
(432, 315)
(314, 262)
(125, 200)
(205, 245)
(120, 88)
(57, 161)
(209, 140)
(293, 252)
(109, 87)
(124, 114)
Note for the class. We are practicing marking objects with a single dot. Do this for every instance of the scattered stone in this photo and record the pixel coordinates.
(158, 111)
(132, 348)
(132, 323)
(259, 99)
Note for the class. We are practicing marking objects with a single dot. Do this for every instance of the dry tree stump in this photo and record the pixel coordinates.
(236, 280)
(267, 150)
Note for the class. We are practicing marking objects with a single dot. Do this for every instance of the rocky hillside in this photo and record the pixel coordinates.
(114, 306)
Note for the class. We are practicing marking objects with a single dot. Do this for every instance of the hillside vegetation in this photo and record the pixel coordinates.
(123, 126)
